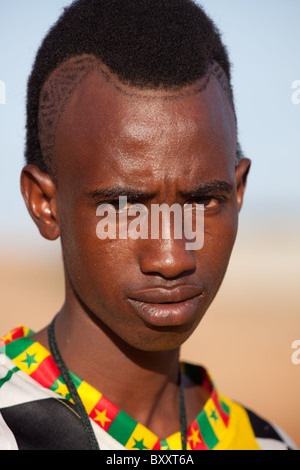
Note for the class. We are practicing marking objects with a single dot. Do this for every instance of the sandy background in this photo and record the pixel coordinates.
(245, 339)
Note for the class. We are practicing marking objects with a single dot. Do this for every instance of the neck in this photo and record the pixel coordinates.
(143, 384)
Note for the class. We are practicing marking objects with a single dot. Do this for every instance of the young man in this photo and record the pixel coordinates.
(129, 101)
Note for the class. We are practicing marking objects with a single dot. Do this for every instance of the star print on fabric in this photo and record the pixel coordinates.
(214, 416)
(62, 389)
(194, 438)
(139, 444)
(102, 418)
(30, 360)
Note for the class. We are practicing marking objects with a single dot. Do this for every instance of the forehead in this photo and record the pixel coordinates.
(109, 132)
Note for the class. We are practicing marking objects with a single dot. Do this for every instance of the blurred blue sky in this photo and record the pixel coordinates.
(263, 39)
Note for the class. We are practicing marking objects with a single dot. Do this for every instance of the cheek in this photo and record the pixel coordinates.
(93, 265)
(219, 238)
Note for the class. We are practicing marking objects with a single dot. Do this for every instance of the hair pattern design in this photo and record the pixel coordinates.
(54, 97)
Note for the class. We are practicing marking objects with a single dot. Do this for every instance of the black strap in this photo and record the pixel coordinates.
(71, 387)
(183, 423)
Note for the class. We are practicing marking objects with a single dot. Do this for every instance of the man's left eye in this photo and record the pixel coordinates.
(121, 205)
(207, 203)
(211, 203)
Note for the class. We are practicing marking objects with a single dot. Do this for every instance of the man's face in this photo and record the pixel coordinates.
(163, 146)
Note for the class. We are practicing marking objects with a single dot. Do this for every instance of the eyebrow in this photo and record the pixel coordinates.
(209, 188)
(116, 192)
(204, 189)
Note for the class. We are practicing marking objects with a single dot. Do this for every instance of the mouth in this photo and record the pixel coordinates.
(166, 307)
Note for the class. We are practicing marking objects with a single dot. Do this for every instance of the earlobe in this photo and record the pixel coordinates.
(241, 175)
(39, 193)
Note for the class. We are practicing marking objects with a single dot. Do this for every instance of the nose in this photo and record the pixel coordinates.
(167, 258)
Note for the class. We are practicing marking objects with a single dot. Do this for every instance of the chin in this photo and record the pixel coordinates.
(161, 339)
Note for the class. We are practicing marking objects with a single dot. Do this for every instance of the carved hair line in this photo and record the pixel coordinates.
(69, 76)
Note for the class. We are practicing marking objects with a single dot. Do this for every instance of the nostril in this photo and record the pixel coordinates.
(168, 258)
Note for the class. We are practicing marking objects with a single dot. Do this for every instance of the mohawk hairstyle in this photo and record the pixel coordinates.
(145, 43)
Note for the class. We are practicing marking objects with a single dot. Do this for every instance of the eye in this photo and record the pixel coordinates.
(206, 203)
(122, 205)
(119, 205)
(210, 203)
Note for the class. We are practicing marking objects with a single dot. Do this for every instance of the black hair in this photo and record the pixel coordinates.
(146, 43)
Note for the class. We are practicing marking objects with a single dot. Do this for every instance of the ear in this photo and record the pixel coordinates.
(241, 174)
(39, 193)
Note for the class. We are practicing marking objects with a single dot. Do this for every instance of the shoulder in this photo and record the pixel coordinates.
(35, 418)
(234, 426)
(248, 427)
(268, 435)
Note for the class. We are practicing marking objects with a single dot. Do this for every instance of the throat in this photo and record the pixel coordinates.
(144, 386)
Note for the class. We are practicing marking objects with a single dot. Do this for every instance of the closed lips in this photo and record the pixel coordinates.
(160, 295)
